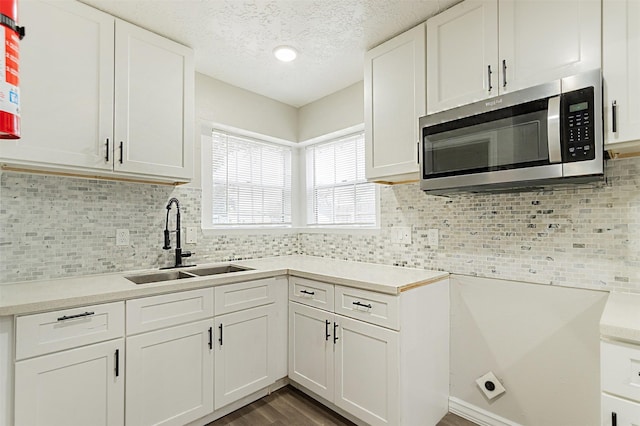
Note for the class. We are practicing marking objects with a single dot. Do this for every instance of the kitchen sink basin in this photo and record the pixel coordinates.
(155, 277)
(215, 270)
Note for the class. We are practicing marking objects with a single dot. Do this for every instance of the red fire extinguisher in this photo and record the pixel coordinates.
(9, 70)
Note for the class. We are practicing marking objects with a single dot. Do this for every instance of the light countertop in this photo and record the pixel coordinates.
(37, 296)
(621, 317)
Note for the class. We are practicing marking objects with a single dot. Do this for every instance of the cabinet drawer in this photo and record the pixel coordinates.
(166, 310)
(236, 297)
(621, 369)
(58, 330)
(369, 306)
(312, 293)
(619, 412)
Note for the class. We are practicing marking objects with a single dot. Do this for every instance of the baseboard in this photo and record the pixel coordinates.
(476, 414)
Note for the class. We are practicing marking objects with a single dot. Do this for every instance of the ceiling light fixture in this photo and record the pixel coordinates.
(285, 53)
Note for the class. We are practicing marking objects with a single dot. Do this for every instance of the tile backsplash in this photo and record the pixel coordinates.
(579, 237)
(57, 226)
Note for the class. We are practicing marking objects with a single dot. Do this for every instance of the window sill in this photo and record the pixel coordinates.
(353, 230)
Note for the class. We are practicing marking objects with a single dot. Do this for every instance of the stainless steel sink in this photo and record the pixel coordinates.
(215, 270)
(155, 277)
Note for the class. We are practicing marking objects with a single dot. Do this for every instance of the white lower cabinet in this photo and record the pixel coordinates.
(244, 353)
(619, 412)
(348, 362)
(366, 371)
(311, 349)
(620, 380)
(76, 387)
(374, 359)
(170, 375)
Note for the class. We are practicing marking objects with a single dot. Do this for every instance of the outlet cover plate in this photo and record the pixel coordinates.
(122, 237)
(192, 235)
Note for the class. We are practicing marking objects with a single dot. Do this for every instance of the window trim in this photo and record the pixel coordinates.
(302, 200)
(298, 188)
(206, 184)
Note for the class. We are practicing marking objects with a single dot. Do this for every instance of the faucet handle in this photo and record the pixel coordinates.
(167, 240)
(186, 254)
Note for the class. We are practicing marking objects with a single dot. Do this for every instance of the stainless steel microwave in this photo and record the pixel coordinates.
(538, 136)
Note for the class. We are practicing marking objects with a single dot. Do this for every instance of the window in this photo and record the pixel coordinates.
(250, 182)
(337, 191)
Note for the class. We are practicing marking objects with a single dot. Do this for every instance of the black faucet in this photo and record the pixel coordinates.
(167, 239)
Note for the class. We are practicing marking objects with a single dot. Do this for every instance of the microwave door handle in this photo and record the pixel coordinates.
(553, 130)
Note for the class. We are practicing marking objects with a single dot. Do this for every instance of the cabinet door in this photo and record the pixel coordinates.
(154, 104)
(366, 371)
(394, 82)
(311, 349)
(621, 69)
(244, 353)
(619, 412)
(66, 87)
(170, 375)
(462, 43)
(548, 40)
(77, 387)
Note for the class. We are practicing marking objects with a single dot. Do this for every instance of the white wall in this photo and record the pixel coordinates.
(541, 341)
(338, 111)
(221, 103)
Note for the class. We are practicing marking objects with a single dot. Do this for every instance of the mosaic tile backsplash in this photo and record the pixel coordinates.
(57, 226)
(586, 237)
(581, 237)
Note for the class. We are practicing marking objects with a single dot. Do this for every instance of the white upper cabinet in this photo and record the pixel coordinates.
(66, 87)
(101, 97)
(395, 98)
(621, 73)
(461, 46)
(480, 49)
(544, 41)
(154, 104)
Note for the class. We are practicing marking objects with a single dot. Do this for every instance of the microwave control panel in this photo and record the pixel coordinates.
(578, 126)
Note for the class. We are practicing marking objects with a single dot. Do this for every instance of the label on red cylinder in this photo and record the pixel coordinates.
(9, 72)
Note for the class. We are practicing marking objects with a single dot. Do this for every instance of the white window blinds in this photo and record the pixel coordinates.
(337, 191)
(251, 182)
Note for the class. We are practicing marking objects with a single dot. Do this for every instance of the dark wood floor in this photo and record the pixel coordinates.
(290, 407)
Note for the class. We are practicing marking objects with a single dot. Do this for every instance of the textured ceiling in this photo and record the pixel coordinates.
(233, 40)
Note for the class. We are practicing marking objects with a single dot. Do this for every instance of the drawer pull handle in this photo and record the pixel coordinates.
(368, 305)
(117, 361)
(220, 339)
(210, 338)
(326, 330)
(308, 292)
(614, 419)
(614, 116)
(68, 317)
(106, 155)
(335, 335)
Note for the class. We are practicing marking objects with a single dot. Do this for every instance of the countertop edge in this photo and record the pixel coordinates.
(285, 267)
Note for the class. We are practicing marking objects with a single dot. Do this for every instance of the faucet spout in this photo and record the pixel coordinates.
(167, 235)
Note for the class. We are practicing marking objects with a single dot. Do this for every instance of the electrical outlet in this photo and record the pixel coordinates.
(405, 234)
(433, 238)
(192, 235)
(122, 237)
(401, 235)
